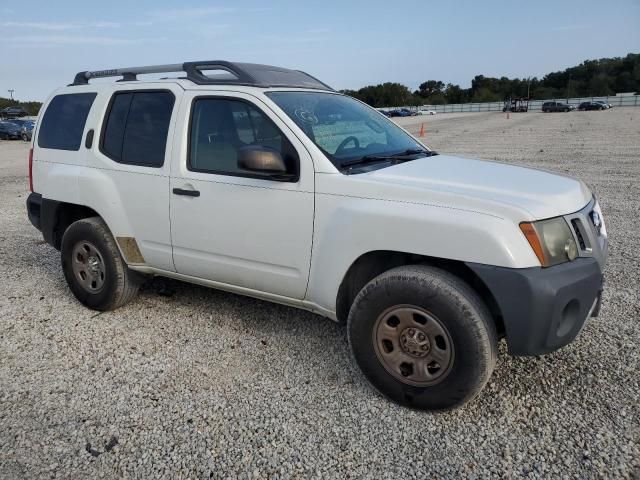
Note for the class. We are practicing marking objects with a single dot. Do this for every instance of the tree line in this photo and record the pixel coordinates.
(606, 76)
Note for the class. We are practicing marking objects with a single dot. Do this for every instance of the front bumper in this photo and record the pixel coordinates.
(544, 309)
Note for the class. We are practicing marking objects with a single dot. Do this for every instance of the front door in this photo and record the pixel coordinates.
(227, 224)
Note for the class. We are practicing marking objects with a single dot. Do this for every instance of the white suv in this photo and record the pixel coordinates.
(266, 182)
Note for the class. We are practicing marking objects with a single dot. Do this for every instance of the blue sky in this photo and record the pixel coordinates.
(346, 44)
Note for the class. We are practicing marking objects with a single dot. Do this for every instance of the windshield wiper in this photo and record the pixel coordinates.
(409, 154)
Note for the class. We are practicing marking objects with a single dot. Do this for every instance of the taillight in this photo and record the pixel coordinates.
(31, 169)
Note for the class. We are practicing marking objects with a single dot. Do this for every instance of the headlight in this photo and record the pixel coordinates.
(551, 240)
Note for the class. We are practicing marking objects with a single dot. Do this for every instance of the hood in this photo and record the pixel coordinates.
(478, 184)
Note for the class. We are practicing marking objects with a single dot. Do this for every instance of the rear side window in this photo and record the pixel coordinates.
(64, 120)
(136, 128)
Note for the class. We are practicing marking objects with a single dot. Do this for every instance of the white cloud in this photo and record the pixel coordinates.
(102, 25)
(59, 26)
(51, 40)
(54, 26)
(187, 12)
(563, 28)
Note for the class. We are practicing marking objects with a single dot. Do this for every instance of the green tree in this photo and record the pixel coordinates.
(430, 88)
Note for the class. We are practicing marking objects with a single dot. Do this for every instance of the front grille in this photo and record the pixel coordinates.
(577, 228)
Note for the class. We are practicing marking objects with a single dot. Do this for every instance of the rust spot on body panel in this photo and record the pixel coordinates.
(130, 250)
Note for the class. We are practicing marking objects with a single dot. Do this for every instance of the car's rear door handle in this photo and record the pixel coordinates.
(188, 193)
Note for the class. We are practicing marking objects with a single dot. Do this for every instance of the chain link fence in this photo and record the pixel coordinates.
(534, 105)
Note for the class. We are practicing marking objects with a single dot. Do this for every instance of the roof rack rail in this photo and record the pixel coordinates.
(248, 74)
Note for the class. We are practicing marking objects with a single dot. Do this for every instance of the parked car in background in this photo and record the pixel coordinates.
(25, 126)
(425, 112)
(21, 122)
(27, 130)
(591, 106)
(13, 112)
(401, 112)
(604, 104)
(557, 107)
(9, 130)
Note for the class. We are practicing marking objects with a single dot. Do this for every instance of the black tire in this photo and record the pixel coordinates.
(455, 305)
(117, 284)
(25, 138)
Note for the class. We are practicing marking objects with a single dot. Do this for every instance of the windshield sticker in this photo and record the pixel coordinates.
(306, 116)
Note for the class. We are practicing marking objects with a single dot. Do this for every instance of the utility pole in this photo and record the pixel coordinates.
(11, 92)
(528, 86)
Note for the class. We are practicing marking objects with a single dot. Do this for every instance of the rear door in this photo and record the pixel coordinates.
(240, 230)
(128, 183)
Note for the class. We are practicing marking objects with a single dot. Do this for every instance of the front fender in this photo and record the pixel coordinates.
(349, 227)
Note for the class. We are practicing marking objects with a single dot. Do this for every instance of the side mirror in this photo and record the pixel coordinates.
(262, 160)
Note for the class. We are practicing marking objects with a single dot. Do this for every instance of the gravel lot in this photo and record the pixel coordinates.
(204, 384)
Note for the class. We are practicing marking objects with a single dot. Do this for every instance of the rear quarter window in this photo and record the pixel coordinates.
(63, 122)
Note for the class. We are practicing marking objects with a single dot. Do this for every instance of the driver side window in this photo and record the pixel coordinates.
(221, 127)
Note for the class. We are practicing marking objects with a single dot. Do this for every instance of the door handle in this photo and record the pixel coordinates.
(89, 140)
(188, 193)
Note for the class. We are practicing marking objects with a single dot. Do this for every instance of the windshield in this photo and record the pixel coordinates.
(343, 128)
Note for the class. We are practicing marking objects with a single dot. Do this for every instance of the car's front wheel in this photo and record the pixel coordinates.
(422, 337)
(93, 267)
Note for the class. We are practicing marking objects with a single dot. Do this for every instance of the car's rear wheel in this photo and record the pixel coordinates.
(93, 267)
(422, 337)
(25, 137)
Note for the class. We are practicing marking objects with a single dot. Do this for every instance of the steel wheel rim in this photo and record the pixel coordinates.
(413, 345)
(88, 266)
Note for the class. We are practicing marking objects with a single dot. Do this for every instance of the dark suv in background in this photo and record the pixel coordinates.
(13, 112)
(557, 107)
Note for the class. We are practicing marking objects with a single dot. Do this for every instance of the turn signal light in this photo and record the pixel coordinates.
(532, 237)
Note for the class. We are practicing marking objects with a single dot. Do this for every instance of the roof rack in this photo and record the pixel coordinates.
(248, 74)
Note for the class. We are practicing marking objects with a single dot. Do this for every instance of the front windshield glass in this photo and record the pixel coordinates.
(343, 128)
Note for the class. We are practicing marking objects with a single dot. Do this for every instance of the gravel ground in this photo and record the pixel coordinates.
(204, 384)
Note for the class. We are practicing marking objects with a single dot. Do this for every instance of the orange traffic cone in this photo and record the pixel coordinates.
(421, 130)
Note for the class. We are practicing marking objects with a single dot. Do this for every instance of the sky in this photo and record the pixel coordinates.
(347, 44)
